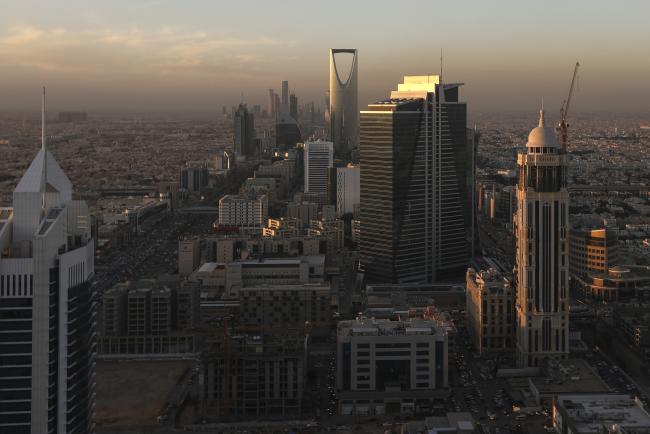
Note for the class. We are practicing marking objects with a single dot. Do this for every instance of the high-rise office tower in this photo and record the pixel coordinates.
(542, 249)
(343, 105)
(47, 306)
(415, 216)
(287, 131)
(293, 106)
(244, 132)
(271, 103)
(319, 157)
(285, 97)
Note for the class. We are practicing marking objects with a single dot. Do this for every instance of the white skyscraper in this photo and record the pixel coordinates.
(542, 249)
(47, 318)
(319, 157)
(348, 189)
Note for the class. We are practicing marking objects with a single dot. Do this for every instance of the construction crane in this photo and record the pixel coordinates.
(563, 126)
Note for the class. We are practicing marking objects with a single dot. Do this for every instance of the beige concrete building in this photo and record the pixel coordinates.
(189, 255)
(542, 249)
(594, 246)
(490, 307)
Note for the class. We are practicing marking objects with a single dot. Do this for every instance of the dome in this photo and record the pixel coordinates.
(542, 136)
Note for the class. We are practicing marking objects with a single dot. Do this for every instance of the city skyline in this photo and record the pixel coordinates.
(159, 56)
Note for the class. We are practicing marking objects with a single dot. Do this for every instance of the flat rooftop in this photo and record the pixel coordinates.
(569, 376)
(383, 327)
(590, 412)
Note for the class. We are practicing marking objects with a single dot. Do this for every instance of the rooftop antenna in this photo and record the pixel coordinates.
(44, 151)
(43, 139)
(441, 65)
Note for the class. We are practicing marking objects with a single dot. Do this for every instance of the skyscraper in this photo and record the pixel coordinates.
(542, 249)
(47, 319)
(319, 157)
(343, 105)
(415, 216)
(244, 132)
(293, 106)
(285, 97)
(271, 103)
(287, 130)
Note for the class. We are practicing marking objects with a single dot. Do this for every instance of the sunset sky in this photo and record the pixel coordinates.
(199, 55)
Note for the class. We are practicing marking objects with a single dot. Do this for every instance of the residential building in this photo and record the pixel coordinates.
(189, 255)
(248, 213)
(150, 316)
(490, 306)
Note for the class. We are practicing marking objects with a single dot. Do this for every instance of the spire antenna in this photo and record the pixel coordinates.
(43, 149)
(43, 144)
(441, 64)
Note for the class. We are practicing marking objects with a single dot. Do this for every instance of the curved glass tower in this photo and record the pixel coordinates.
(343, 105)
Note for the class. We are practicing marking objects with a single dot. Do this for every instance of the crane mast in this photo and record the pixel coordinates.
(563, 126)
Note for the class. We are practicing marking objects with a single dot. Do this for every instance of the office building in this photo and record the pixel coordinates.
(599, 414)
(415, 183)
(490, 307)
(47, 305)
(542, 249)
(293, 106)
(284, 108)
(343, 102)
(194, 176)
(620, 282)
(319, 157)
(348, 189)
(594, 246)
(247, 213)
(244, 143)
(287, 132)
(270, 108)
(390, 367)
(225, 280)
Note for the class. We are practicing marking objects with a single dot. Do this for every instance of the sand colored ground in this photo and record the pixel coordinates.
(133, 393)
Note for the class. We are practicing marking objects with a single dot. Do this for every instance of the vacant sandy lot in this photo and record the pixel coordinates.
(133, 393)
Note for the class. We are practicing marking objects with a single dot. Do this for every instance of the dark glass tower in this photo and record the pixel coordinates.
(244, 132)
(416, 184)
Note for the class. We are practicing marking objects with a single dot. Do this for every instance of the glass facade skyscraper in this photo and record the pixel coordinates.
(416, 219)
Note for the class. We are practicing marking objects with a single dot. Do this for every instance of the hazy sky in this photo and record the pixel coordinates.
(181, 55)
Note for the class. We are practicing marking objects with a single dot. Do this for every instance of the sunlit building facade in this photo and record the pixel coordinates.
(542, 222)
